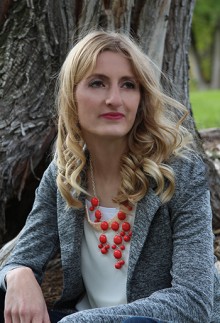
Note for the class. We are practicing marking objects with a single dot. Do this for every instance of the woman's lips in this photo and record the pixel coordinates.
(112, 115)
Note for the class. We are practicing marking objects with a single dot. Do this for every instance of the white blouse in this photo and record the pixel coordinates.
(105, 285)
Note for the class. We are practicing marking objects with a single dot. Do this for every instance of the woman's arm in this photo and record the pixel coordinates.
(36, 245)
(39, 238)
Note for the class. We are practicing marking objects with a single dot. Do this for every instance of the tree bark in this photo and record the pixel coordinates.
(4, 8)
(35, 37)
(176, 65)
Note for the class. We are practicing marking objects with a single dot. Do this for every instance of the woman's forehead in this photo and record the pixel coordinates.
(109, 61)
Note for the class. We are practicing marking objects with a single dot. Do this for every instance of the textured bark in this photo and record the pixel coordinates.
(176, 51)
(176, 65)
(33, 43)
(150, 27)
(4, 8)
(35, 36)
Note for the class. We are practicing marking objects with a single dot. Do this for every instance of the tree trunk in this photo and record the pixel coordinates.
(176, 65)
(34, 40)
(195, 64)
(4, 8)
(215, 81)
(176, 53)
(195, 70)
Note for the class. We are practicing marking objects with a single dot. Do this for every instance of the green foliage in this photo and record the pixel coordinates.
(206, 108)
(206, 18)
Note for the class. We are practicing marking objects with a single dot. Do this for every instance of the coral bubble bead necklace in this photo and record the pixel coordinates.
(122, 229)
(120, 226)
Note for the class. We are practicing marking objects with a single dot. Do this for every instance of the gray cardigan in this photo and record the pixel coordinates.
(171, 273)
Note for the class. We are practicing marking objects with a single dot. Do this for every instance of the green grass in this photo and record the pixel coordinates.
(206, 108)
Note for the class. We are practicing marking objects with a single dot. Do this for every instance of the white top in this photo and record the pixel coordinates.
(105, 285)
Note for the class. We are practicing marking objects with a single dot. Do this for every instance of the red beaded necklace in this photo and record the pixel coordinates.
(121, 227)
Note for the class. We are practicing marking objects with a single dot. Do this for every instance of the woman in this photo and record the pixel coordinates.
(124, 199)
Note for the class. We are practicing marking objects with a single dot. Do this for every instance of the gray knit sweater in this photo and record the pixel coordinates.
(171, 273)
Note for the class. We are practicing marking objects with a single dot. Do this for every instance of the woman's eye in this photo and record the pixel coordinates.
(96, 83)
(129, 85)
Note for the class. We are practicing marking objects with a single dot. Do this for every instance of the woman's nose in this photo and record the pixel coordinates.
(114, 97)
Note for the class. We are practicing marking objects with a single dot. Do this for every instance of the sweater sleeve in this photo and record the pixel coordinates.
(38, 240)
(190, 297)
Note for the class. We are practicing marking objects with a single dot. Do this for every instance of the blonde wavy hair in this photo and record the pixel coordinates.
(156, 136)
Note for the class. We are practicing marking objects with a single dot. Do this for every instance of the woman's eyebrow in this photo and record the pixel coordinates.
(103, 76)
(97, 75)
(129, 77)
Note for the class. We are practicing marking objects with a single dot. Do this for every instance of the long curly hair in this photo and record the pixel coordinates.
(156, 136)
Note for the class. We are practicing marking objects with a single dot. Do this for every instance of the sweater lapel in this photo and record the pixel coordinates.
(70, 225)
(146, 209)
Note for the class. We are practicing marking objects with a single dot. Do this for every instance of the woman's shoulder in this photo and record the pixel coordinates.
(187, 162)
(52, 168)
(189, 170)
(50, 175)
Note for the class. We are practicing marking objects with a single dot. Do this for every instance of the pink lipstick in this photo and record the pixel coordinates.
(112, 115)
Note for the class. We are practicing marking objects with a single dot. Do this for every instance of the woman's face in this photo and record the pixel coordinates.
(108, 98)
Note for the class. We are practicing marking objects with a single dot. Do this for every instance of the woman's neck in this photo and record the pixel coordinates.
(106, 171)
(106, 156)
